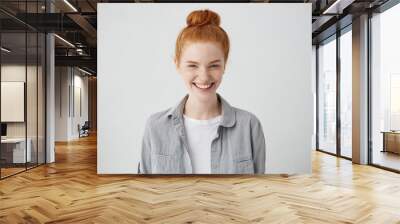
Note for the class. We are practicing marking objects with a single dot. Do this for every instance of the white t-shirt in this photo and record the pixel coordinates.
(200, 133)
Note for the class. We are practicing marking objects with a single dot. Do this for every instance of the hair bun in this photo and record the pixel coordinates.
(202, 18)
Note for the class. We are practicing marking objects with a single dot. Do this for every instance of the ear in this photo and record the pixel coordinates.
(176, 63)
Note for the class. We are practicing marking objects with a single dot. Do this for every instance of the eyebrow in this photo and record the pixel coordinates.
(195, 62)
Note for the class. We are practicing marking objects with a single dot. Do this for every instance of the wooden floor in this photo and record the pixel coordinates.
(387, 159)
(70, 191)
(5, 172)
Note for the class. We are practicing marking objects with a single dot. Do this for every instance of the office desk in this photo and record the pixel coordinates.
(13, 150)
(391, 141)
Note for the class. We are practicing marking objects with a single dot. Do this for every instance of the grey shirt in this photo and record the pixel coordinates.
(238, 148)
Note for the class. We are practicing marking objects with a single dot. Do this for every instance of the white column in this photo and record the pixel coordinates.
(50, 91)
(360, 90)
(50, 110)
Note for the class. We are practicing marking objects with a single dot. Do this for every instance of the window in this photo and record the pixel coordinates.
(385, 89)
(346, 94)
(327, 96)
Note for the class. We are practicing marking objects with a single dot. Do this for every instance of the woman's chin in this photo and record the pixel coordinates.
(204, 96)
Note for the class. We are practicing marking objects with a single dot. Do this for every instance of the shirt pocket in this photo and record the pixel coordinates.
(166, 164)
(244, 165)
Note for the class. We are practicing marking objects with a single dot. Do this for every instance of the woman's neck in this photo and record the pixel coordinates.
(202, 110)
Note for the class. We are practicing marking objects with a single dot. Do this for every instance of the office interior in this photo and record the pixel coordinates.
(49, 94)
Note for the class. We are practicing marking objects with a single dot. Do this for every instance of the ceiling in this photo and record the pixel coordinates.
(76, 22)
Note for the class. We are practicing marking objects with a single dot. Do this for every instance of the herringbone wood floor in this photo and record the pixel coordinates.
(70, 191)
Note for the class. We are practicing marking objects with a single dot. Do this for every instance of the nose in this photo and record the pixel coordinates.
(203, 74)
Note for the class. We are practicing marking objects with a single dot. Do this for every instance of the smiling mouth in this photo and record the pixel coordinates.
(203, 86)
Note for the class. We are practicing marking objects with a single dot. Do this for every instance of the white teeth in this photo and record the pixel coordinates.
(203, 86)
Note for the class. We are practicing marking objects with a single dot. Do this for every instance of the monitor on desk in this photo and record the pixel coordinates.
(3, 130)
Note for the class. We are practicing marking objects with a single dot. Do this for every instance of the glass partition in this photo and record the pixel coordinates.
(22, 77)
(385, 89)
(13, 109)
(327, 96)
(346, 94)
(41, 88)
(32, 95)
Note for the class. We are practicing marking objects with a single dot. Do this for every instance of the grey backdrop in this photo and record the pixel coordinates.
(268, 73)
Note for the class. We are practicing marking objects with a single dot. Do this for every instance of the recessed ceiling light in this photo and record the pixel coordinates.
(70, 5)
(84, 71)
(338, 6)
(5, 50)
(64, 40)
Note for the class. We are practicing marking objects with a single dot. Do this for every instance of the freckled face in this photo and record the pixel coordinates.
(201, 67)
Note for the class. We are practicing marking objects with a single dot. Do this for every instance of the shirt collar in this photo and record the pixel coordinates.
(228, 114)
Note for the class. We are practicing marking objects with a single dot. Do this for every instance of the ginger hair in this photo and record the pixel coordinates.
(202, 26)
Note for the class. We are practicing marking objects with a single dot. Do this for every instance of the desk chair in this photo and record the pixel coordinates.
(84, 130)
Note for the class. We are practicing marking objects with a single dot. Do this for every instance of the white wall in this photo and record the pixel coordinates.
(68, 81)
(18, 73)
(33, 127)
(268, 73)
(12, 101)
(80, 83)
(61, 103)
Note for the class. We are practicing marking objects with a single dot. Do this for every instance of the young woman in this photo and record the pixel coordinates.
(202, 134)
